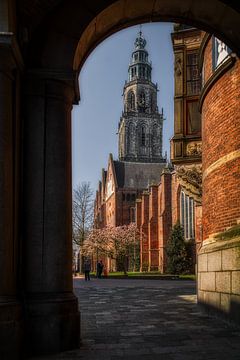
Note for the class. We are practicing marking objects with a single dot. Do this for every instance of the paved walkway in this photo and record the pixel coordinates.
(150, 320)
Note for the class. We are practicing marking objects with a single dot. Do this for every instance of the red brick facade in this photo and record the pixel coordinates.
(218, 257)
(221, 143)
(156, 212)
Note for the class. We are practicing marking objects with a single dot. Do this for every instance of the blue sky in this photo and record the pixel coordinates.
(95, 119)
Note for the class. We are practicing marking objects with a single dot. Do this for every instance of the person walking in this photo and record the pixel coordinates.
(99, 269)
(87, 269)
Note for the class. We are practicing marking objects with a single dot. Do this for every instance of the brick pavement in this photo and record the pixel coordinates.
(150, 320)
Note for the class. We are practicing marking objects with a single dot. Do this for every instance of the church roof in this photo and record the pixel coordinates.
(137, 175)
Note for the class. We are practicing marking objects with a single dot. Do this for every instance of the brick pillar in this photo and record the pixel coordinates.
(153, 228)
(145, 246)
(51, 308)
(165, 216)
(10, 309)
(138, 207)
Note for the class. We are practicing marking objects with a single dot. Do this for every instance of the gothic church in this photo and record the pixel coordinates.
(140, 161)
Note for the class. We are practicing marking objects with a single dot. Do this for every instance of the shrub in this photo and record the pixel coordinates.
(179, 252)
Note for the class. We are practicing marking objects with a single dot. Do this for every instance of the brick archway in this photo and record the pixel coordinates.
(121, 14)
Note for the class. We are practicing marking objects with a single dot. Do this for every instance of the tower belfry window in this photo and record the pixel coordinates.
(142, 102)
(131, 100)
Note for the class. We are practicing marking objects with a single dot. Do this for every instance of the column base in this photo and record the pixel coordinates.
(219, 278)
(52, 323)
(11, 329)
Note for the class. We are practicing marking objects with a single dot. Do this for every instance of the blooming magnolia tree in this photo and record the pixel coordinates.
(120, 243)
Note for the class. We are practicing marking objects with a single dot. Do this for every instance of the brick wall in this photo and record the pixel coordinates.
(219, 260)
(221, 138)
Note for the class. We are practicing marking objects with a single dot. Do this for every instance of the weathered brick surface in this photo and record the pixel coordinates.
(221, 136)
(198, 226)
(207, 64)
(175, 189)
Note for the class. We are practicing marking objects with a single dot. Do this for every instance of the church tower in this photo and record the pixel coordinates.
(140, 126)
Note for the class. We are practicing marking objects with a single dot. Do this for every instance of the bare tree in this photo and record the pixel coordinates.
(82, 215)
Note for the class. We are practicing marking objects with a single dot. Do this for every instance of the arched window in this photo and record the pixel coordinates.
(152, 102)
(131, 72)
(143, 136)
(131, 100)
(143, 72)
(187, 215)
(142, 102)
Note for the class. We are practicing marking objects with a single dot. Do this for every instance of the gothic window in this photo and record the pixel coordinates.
(187, 215)
(142, 102)
(131, 100)
(193, 79)
(132, 72)
(144, 72)
(143, 136)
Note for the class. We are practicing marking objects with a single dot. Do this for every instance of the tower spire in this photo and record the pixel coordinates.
(140, 67)
(140, 127)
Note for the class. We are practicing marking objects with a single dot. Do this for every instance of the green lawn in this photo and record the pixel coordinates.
(151, 274)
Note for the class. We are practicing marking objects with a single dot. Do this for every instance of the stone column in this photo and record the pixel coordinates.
(10, 309)
(53, 320)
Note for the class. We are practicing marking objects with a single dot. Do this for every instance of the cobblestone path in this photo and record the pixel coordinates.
(150, 320)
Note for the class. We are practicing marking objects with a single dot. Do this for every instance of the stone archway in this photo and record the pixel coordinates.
(53, 54)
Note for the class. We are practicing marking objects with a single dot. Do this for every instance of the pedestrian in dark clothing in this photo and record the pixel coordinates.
(87, 269)
(99, 269)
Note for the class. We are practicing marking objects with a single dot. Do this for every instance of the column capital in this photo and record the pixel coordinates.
(10, 55)
(67, 78)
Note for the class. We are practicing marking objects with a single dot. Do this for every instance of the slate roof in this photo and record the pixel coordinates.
(137, 175)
